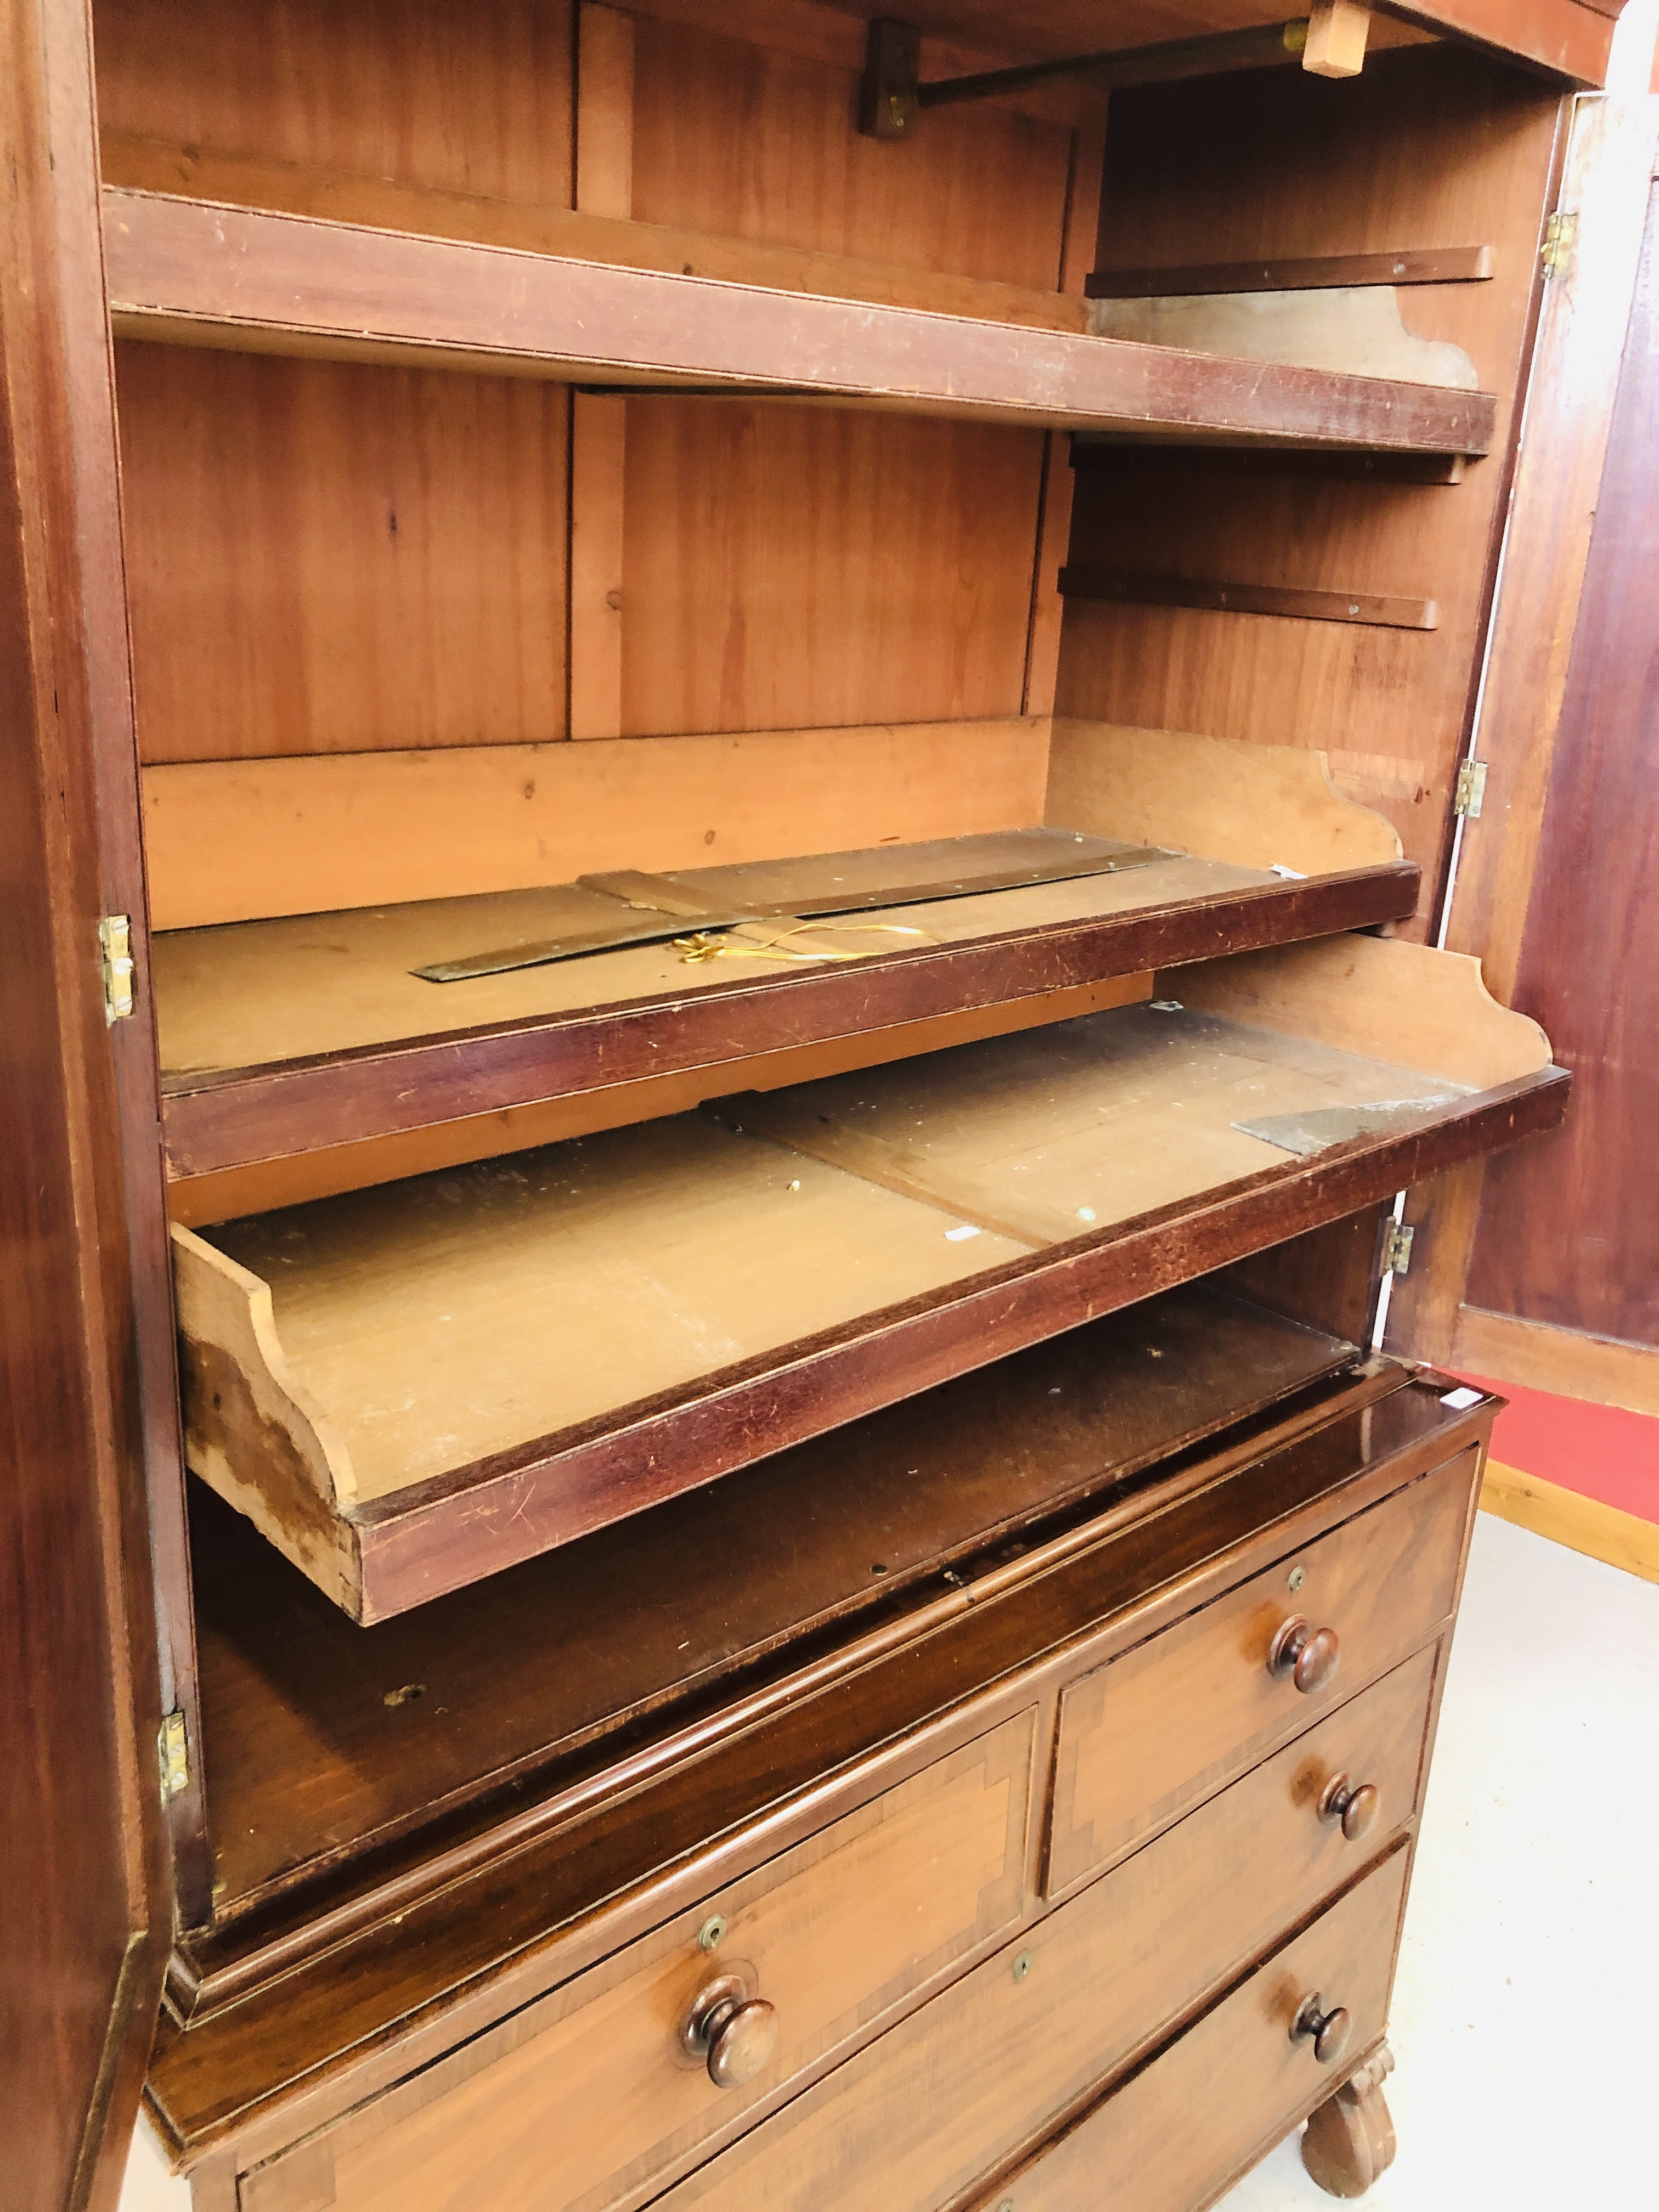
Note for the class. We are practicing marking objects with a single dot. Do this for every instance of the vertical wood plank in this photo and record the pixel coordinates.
(598, 424)
(599, 457)
(604, 112)
(1077, 258)
(1048, 607)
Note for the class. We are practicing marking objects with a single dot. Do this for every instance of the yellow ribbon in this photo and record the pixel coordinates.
(703, 945)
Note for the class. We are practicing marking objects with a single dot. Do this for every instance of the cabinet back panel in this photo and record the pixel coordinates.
(788, 567)
(751, 143)
(472, 99)
(323, 557)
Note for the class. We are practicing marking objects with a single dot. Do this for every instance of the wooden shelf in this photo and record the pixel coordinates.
(413, 1387)
(199, 272)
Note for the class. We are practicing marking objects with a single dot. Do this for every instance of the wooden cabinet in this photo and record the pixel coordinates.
(735, 733)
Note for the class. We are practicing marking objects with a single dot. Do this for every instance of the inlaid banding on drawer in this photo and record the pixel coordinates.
(914, 2120)
(1234, 2082)
(581, 2099)
(1153, 1731)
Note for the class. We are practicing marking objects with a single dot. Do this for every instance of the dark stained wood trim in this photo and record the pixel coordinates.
(1565, 39)
(1085, 582)
(1450, 264)
(283, 2012)
(1143, 457)
(89, 394)
(83, 1858)
(439, 1535)
(193, 272)
(247, 1115)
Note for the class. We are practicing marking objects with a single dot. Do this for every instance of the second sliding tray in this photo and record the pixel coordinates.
(412, 1387)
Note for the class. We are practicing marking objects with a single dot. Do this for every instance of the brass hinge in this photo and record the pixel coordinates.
(1470, 795)
(1560, 235)
(1396, 1257)
(173, 1748)
(115, 939)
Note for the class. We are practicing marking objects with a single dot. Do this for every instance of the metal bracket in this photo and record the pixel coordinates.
(115, 941)
(891, 93)
(172, 1746)
(1470, 795)
(1560, 236)
(1396, 1256)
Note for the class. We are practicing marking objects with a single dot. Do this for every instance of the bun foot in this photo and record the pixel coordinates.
(1350, 2139)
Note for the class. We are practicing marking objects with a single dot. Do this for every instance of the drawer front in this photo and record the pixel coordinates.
(1235, 2083)
(578, 2101)
(1149, 1732)
(914, 2118)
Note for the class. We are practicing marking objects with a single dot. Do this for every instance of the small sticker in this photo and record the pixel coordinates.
(961, 1235)
(1165, 1006)
(1460, 1399)
(1289, 875)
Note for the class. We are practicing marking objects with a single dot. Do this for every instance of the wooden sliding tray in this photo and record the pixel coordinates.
(294, 1043)
(412, 1387)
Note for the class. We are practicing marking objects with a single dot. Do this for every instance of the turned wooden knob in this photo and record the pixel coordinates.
(1354, 1803)
(1328, 2030)
(1309, 1655)
(729, 2027)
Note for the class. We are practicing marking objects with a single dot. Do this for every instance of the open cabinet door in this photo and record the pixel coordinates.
(83, 1876)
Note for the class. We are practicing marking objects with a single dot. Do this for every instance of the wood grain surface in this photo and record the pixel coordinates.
(408, 90)
(235, 840)
(308, 1725)
(1154, 1728)
(1421, 147)
(928, 2109)
(590, 2093)
(1235, 2082)
(1560, 1240)
(82, 1853)
(302, 1993)
(181, 271)
(782, 568)
(324, 558)
(895, 1200)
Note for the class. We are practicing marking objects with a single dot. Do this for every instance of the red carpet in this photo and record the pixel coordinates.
(1597, 1450)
